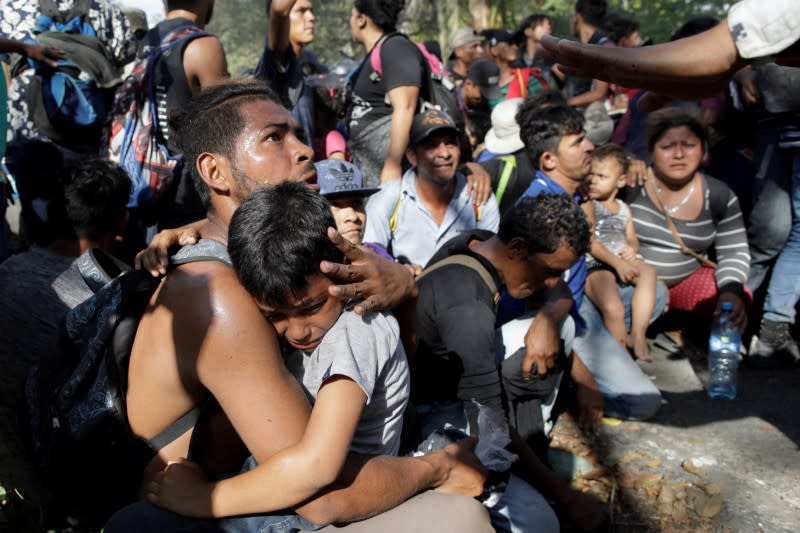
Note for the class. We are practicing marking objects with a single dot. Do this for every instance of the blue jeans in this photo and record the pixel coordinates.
(771, 215)
(144, 516)
(783, 291)
(627, 391)
(519, 508)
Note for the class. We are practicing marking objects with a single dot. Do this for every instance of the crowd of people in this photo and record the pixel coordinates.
(359, 271)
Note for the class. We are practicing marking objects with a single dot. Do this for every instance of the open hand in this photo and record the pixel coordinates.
(380, 283)
(479, 183)
(48, 55)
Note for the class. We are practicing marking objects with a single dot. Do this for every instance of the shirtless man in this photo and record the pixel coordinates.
(204, 336)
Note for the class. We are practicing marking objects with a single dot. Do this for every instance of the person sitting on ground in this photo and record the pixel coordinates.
(683, 216)
(412, 217)
(81, 207)
(353, 368)
(515, 82)
(614, 253)
(204, 341)
(557, 145)
(466, 47)
(456, 362)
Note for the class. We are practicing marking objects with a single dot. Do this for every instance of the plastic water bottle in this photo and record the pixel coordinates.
(723, 356)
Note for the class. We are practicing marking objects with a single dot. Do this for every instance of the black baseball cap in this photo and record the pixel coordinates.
(494, 36)
(428, 122)
(486, 75)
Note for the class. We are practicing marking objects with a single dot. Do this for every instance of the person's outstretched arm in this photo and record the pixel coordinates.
(691, 68)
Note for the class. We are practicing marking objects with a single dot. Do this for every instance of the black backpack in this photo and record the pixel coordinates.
(82, 442)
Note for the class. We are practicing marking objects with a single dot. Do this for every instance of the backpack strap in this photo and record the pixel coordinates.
(203, 250)
(509, 166)
(97, 268)
(175, 430)
(469, 262)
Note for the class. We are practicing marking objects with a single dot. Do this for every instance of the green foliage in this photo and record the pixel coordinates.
(242, 24)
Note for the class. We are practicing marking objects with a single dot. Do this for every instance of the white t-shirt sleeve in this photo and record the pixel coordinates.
(762, 28)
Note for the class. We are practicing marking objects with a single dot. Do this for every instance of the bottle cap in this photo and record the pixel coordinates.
(727, 306)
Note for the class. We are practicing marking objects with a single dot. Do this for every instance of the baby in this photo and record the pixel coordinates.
(613, 255)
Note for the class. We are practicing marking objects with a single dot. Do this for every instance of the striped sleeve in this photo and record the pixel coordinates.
(730, 244)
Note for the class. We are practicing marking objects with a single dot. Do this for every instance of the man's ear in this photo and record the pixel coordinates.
(214, 170)
(518, 248)
(548, 161)
(411, 156)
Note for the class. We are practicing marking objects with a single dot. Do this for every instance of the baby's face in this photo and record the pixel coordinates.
(605, 179)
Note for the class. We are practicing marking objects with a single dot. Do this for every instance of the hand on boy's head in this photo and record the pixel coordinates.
(182, 487)
(380, 284)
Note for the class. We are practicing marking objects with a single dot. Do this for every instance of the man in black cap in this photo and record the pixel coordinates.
(514, 82)
(479, 87)
(413, 216)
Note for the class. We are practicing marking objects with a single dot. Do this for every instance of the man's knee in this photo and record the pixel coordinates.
(641, 406)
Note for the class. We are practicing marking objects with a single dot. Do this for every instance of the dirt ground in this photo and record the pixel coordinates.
(700, 464)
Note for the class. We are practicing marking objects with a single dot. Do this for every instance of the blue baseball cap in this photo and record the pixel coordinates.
(336, 177)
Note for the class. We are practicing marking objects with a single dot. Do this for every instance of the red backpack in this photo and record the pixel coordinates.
(134, 138)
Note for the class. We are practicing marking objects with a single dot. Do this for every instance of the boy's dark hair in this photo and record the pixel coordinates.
(383, 13)
(541, 129)
(612, 151)
(95, 197)
(212, 122)
(277, 238)
(546, 222)
(663, 120)
(618, 26)
(592, 11)
(479, 124)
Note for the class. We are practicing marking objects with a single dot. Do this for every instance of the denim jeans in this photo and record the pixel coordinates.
(771, 215)
(627, 391)
(783, 291)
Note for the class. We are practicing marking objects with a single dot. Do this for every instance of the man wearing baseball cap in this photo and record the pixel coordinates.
(514, 82)
(412, 217)
(479, 87)
(466, 46)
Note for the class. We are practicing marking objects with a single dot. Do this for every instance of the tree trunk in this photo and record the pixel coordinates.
(480, 14)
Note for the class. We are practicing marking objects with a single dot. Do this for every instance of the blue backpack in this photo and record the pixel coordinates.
(68, 104)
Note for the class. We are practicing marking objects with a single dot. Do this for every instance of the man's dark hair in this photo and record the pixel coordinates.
(612, 151)
(277, 238)
(618, 26)
(531, 21)
(537, 101)
(212, 122)
(96, 196)
(693, 26)
(541, 129)
(592, 11)
(663, 120)
(546, 222)
(383, 13)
